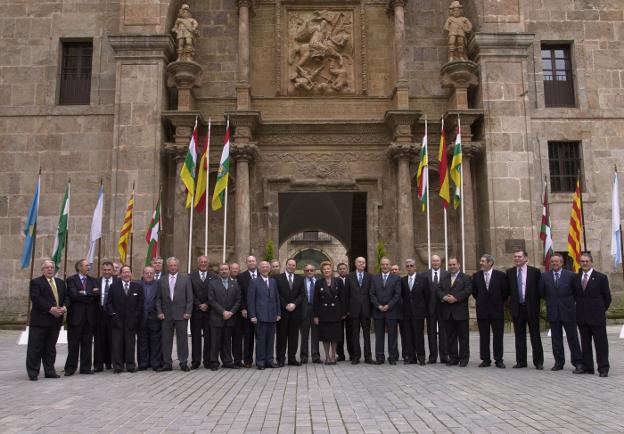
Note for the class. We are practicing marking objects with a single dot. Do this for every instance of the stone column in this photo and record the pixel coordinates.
(396, 8)
(242, 88)
(243, 154)
(459, 76)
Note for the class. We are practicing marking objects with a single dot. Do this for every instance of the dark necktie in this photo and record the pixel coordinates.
(435, 277)
(520, 286)
(360, 278)
(585, 279)
(310, 288)
(290, 280)
(84, 283)
(385, 277)
(106, 287)
(126, 288)
(556, 279)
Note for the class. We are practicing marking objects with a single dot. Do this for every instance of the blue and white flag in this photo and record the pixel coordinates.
(31, 222)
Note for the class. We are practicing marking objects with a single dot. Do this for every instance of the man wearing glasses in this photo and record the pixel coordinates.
(307, 325)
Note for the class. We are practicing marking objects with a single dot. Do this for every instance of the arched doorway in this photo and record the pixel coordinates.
(313, 247)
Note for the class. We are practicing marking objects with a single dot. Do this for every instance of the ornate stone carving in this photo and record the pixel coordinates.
(325, 139)
(459, 76)
(319, 157)
(398, 151)
(184, 75)
(458, 28)
(186, 32)
(324, 169)
(244, 151)
(321, 52)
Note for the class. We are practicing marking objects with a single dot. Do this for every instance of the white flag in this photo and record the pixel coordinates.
(96, 225)
(616, 247)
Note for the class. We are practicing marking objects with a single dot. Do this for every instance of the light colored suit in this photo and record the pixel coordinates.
(174, 310)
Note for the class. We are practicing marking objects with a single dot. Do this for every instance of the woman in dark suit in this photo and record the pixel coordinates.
(329, 311)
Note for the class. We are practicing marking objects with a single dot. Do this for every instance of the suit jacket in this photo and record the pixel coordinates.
(357, 301)
(593, 301)
(150, 295)
(221, 300)
(389, 294)
(490, 302)
(531, 292)
(434, 301)
(182, 302)
(125, 310)
(43, 300)
(416, 301)
(101, 294)
(262, 300)
(560, 303)
(461, 290)
(200, 292)
(244, 279)
(328, 303)
(82, 305)
(288, 295)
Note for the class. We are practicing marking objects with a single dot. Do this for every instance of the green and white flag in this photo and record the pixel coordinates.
(61, 232)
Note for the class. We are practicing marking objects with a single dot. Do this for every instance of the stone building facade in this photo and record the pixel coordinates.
(328, 102)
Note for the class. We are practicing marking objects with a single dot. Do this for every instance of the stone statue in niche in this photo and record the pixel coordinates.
(458, 28)
(186, 32)
(321, 53)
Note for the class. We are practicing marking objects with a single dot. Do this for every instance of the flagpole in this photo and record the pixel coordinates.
(188, 268)
(132, 225)
(461, 193)
(445, 216)
(225, 223)
(100, 239)
(427, 203)
(67, 231)
(34, 244)
(207, 189)
(582, 211)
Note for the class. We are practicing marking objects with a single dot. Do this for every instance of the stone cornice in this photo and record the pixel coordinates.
(142, 46)
(398, 151)
(500, 44)
(244, 151)
(184, 119)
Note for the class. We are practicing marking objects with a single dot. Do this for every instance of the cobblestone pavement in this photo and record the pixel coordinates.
(316, 398)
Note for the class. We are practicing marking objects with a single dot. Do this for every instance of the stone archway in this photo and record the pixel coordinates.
(313, 247)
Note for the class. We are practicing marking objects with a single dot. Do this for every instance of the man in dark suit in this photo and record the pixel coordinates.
(149, 336)
(249, 329)
(593, 298)
(157, 264)
(385, 297)
(264, 311)
(102, 339)
(83, 293)
(415, 294)
(275, 268)
(359, 310)
(436, 335)
(454, 291)
(237, 333)
(225, 299)
(49, 298)
(200, 319)
(174, 306)
(557, 287)
(291, 292)
(343, 274)
(490, 290)
(309, 330)
(125, 307)
(523, 282)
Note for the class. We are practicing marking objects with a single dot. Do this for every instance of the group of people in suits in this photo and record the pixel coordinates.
(277, 313)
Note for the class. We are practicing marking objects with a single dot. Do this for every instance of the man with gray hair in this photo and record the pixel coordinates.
(174, 306)
(490, 290)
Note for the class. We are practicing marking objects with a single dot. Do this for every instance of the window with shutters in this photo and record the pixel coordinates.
(558, 83)
(75, 73)
(565, 165)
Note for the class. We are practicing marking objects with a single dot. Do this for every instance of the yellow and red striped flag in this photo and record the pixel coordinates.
(575, 233)
(126, 230)
(445, 194)
(202, 176)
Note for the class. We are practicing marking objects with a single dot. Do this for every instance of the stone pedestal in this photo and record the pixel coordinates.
(184, 75)
(459, 76)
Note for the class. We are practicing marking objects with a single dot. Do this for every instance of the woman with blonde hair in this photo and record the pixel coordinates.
(329, 311)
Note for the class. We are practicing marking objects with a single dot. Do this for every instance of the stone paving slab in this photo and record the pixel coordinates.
(316, 398)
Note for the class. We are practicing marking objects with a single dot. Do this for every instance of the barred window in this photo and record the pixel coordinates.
(564, 162)
(558, 83)
(75, 73)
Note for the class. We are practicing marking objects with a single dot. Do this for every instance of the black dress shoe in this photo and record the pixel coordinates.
(539, 367)
(444, 360)
(69, 373)
(452, 363)
(294, 363)
(500, 365)
(32, 377)
(355, 362)
(247, 365)
(184, 368)
(53, 375)
(587, 371)
(281, 364)
(484, 364)
(142, 368)
(116, 371)
(578, 370)
(195, 365)
(604, 374)
(519, 365)
(216, 367)
(260, 368)
(271, 365)
(304, 360)
(234, 366)
(369, 361)
(316, 361)
(130, 369)
(421, 362)
(463, 363)
(89, 372)
(392, 361)
(166, 368)
(556, 368)
(431, 362)
(379, 362)
(341, 358)
(239, 364)
(99, 369)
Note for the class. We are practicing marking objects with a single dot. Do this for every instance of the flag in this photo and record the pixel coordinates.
(187, 174)
(616, 236)
(152, 235)
(456, 164)
(545, 232)
(61, 231)
(200, 189)
(126, 231)
(224, 172)
(443, 170)
(422, 177)
(96, 225)
(31, 222)
(576, 229)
